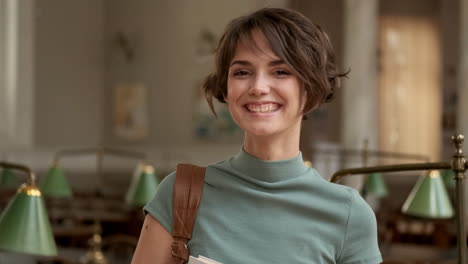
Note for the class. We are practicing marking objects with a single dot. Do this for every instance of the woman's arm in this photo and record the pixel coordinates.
(154, 244)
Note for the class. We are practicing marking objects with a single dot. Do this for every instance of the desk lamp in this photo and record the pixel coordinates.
(24, 225)
(428, 198)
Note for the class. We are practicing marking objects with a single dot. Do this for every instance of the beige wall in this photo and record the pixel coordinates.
(69, 72)
(451, 42)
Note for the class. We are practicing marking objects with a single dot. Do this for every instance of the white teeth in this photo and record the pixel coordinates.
(262, 108)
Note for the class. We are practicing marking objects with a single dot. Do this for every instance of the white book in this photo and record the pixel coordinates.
(202, 260)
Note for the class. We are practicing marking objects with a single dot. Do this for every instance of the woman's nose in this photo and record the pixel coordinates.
(259, 86)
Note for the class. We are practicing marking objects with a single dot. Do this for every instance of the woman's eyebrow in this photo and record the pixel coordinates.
(240, 62)
(247, 63)
(276, 63)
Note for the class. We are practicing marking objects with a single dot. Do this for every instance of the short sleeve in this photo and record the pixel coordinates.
(160, 207)
(360, 242)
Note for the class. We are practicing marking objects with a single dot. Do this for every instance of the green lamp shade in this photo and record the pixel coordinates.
(55, 183)
(143, 186)
(375, 185)
(24, 225)
(429, 198)
(8, 179)
(449, 178)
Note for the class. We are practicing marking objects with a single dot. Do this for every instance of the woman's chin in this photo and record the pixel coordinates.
(260, 131)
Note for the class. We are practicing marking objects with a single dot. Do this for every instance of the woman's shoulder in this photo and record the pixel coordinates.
(168, 181)
(331, 186)
(339, 193)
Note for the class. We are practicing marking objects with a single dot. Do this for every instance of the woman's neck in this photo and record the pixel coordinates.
(271, 148)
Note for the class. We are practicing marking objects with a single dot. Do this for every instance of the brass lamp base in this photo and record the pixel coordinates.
(95, 255)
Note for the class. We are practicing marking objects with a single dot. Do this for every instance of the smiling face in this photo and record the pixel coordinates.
(264, 95)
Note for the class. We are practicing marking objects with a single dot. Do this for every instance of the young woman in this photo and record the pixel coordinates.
(264, 205)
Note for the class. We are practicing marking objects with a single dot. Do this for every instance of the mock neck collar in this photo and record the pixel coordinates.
(268, 171)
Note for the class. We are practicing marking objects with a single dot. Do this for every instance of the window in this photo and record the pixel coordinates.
(409, 86)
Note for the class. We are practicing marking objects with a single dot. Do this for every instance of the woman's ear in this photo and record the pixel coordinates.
(303, 99)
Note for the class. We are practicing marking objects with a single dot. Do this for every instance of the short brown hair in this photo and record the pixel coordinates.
(301, 44)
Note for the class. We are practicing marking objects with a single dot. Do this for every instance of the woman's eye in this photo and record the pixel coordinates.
(281, 72)
(241, 73)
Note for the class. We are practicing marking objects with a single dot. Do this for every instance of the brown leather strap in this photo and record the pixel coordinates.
(188, 188)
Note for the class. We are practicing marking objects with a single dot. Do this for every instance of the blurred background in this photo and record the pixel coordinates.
(80, 74)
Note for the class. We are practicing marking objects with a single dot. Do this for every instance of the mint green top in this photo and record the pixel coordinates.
(254, 211)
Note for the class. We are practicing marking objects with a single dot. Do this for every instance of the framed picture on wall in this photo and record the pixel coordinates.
(130, 111)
